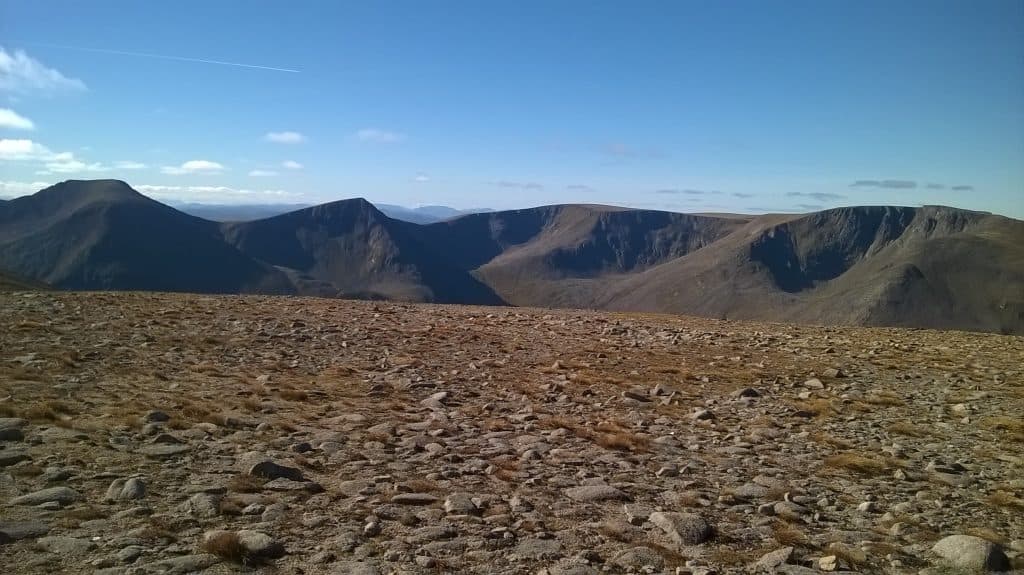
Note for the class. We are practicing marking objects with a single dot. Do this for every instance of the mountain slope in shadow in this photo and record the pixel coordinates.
(351, 248)
(102, 234)
(932, 266)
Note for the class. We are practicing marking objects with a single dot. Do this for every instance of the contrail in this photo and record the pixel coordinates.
(163, 57)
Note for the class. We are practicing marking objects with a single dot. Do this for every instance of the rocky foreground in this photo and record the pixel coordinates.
(146, 433)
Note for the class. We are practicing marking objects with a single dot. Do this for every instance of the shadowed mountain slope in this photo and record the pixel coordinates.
(13, 282)
(553, 255)
(352, 248)
(104, 235)
(932, 267)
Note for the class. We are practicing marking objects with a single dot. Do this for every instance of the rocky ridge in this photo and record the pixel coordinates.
(150, 433)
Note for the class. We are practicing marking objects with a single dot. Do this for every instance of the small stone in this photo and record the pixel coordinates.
(60, 495)
(65, 546)
(162, 450)
(773, 559)
(414, 499)
(155, 416)
(460, 504)
(636, 395)
(972, 553)
(636, 514)
(436, 401)
(181, 565)
(702, 415)
(593, 493)
(10, 457)
(260, 545)
(828, 563)
(204, 505)
(126, 490)
(639, 558)
(17, 530)
(867, 507)
(130, 554)
(834, 373)
(683, 528)
(269, 470)
(667, 470)
(814, 383)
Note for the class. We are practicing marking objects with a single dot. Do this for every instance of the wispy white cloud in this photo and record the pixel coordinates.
(378, 136)
(193, 167)
(129, 165)
(518, 185)
(168, 57)
(262, 173)
(421, 178)
(214, 194)
(291, 165)
(284, 137)
(13, 189)
(23, 150)
(579, 188)
(887, 184)
(20, 73)
(29, 151)
(14, 121)
(70, 165)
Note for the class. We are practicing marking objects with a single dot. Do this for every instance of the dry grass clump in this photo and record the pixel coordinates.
(819, 407)
(27, 470)
(908, 429)
(827, 439)
(1013, 425)
(857, 463)
(883, 397)
(497, 424)
(623, 441)
(245, 483)
(418, 486)
(558, 421)
(987, 534)
(787, 535)
(225, 544)
(672, 557)
(1005, 499)
(293, 395)
(22, 373)
(735, 557)
(48, 410)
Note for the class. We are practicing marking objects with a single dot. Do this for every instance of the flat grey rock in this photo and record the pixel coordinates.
(17, 530)
(596, 493)
(62, 495)
(972, 553)
(683, 528)
(163, 450)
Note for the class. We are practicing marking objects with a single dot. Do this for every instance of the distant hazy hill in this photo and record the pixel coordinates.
(250, 212)
(927, 267)
(236, 213)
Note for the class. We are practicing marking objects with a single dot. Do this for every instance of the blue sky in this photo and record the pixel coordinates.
(690, 106)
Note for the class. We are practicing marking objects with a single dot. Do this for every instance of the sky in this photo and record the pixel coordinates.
(694, 106)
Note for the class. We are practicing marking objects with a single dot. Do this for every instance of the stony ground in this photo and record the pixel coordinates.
(147, 433)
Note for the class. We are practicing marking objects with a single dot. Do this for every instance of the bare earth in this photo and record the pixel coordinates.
(424, 439)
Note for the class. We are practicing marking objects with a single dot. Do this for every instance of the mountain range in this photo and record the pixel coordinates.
(932, 266)
(249, 212)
